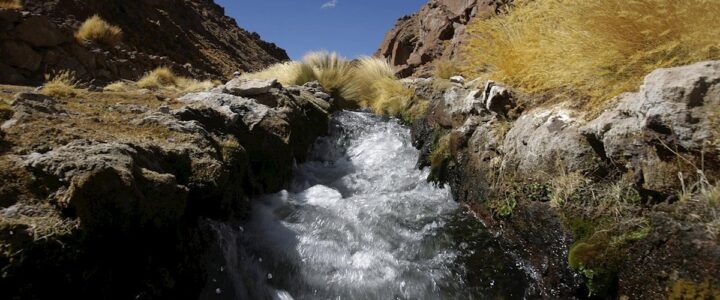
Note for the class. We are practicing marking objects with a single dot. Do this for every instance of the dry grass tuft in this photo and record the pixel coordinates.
(11, 4)
(445, 68)
(60, 85)
(166, 79)
(98, 30)
(367, 82)
(287, 73)
(598, 48)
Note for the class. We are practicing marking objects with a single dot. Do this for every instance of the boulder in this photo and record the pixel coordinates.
(675, 106)
(38, 31)
(544, 140)
(249, 87)
(110, 189)
(497, 99)
(19, 54)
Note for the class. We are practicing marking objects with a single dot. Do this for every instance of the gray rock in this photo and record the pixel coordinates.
(457, 79)
(675, 106)
(232, 108)
(497, 99)
(543, 140)
(38, 31)
(110, 179)
(249, 87)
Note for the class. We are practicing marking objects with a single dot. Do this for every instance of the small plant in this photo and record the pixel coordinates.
(11, 4)
(97, 30)
(445, 68)
(60, 85)
(417, 110)
(564, 188)
(230, 148)
(165, 78)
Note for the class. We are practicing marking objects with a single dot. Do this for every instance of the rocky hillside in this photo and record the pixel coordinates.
(106, 194)
(193, 37)
(618, 204)
(436, 31)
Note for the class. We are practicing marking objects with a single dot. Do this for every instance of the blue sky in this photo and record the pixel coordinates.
(350, 27)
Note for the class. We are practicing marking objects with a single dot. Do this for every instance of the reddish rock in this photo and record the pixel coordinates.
(38, 31)
(19, 54)
(437, 31)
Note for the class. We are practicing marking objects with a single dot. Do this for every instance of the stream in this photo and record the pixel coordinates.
(360, 221)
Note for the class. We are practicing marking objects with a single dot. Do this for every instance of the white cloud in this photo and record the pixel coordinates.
(329, 4)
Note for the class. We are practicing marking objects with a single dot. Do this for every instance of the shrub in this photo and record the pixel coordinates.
(164, 78)
(60, 85)
(597, 48)
(11, 4)
(98, 30)
(445, 68)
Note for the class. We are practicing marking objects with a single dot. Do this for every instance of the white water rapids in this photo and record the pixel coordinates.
(358, 222)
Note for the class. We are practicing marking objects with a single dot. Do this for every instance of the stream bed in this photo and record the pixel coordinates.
(360, 221)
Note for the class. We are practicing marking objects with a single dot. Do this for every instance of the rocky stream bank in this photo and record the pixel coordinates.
(616, 202)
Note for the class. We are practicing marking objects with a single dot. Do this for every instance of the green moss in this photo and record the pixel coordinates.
(417, 110)
(440, 159)
(581, 227)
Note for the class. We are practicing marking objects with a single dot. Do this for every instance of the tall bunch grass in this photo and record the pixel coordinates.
(11, 4)
(98, 30)
(367, 82)
(60, 85)
(597, 48)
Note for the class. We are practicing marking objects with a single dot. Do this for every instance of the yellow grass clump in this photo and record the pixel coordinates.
(597, 48)
(60, 85)
(366, 82)
(11, 4)
(164, 78)
(445, 68)
(98, 30)
(287, 73)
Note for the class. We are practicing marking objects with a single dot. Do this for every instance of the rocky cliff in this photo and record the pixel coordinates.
(106, 195)
(436, 31)
(618, 204)
(195, 38)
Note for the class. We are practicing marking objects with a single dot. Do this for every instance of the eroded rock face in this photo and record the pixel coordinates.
(140, 200)
(436, 31)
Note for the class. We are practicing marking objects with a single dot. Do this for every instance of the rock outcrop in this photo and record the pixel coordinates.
(107, 198)
(615, 200)
(436, 31)
(194, 38)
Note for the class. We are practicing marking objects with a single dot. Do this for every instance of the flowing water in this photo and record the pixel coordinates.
(361, 222)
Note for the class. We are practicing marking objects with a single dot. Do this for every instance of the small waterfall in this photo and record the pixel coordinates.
(360, 222)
